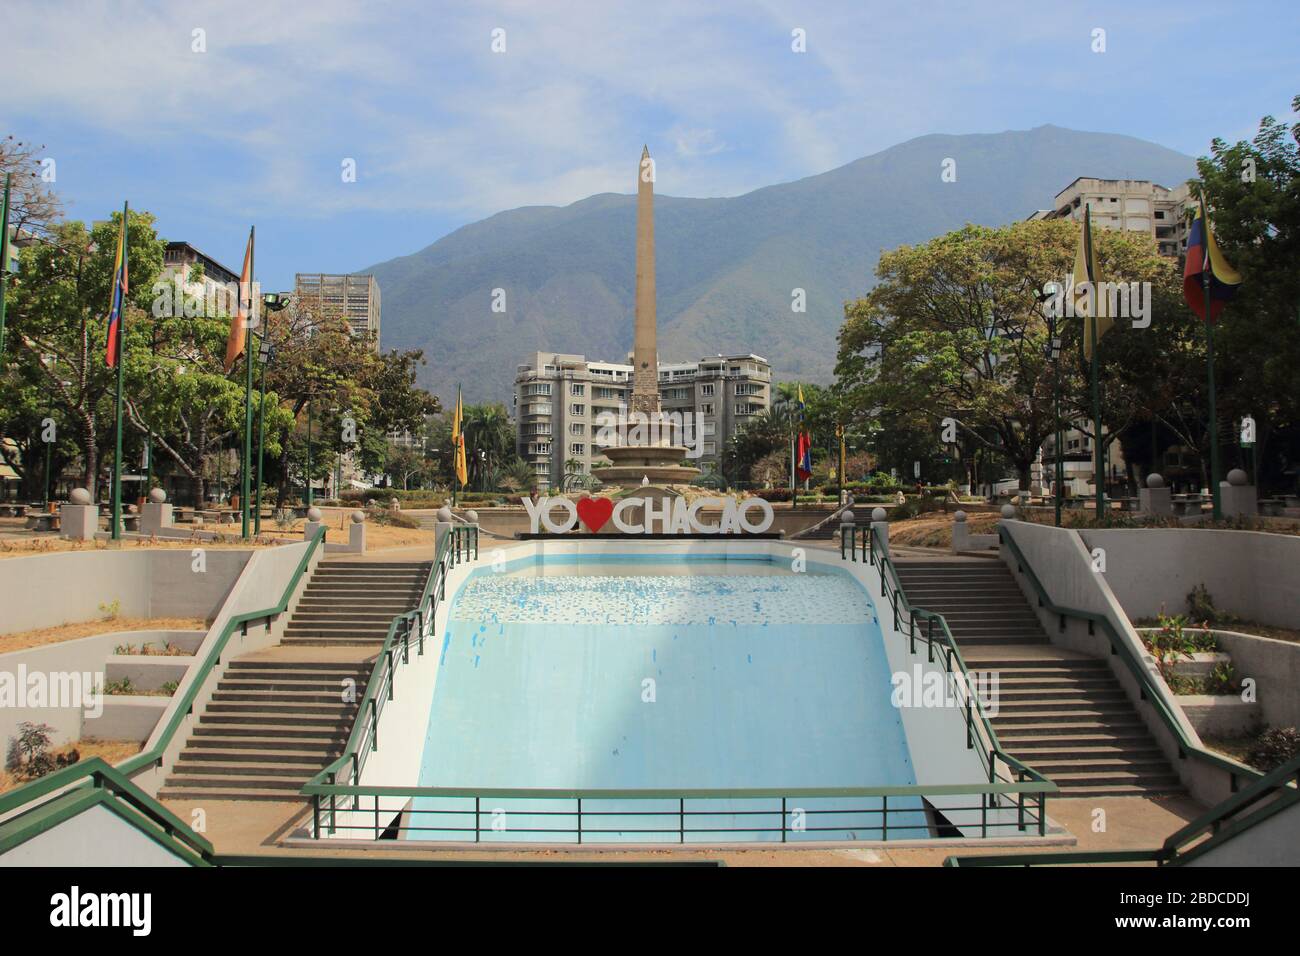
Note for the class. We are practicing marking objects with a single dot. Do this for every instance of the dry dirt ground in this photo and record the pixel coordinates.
(935, 530)
(21, 640)
(16, 543)
(112, 751)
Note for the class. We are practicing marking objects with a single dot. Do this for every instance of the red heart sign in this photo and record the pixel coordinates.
(595, 512)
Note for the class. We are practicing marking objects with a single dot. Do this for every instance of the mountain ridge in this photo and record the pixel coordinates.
(725, 266)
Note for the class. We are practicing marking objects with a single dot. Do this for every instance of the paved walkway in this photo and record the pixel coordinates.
(1108, 823)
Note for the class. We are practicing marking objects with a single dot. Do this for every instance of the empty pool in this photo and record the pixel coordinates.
(606, 676)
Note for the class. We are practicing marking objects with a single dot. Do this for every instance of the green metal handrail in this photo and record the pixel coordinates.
(461, 544)
(101, 776)
(875, 551)
(1284, 782)
(1148, 689)
(88, 771)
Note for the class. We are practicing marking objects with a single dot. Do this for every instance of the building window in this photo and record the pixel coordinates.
(577, 390)
(577, 448)
(706, 408)
(576, 409)
(710, 448)
(706, 390)
(577, 428)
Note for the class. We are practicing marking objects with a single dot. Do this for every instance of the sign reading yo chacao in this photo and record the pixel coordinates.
(650, 515)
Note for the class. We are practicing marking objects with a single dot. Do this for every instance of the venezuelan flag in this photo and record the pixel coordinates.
(803, 446)
(1202, 254)
(117, 299)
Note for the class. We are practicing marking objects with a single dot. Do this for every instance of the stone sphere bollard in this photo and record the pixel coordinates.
(846, 516)
(959, 516)
(313, 513)
(445, 515)
(79, 496)
(848, 500)
(1155, 480)
(358, 517)
(394, 504)
(157, 495)
(1008, 511)
(471, 516)
(879, 514)
(1238, 478)
(131, 509)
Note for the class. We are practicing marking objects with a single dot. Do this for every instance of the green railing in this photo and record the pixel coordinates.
(98, 780)
(1243, 810)
(932, 628)
(456, 547)
(670, 816)
(1147, 687)
(87, 772)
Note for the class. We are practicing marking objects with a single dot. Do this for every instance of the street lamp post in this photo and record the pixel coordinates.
(266, 353)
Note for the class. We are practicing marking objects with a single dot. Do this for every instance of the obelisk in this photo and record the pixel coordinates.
(653, 456)
(645, 359)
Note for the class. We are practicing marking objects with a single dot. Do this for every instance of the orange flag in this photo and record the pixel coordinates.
(245, 310)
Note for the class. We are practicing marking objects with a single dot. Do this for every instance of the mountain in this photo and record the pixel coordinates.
(725, 267)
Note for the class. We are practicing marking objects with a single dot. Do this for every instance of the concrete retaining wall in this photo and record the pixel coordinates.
(82, 657)
(49, 590)
(1251, 574)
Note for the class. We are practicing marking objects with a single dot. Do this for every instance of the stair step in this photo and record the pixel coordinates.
(1067, 716)
(290, 784)
(325, 747)
(302, 722)
(246, 754)
(296, 666)
(336, 734)
(190, 791)
(332, 695)
(298, 773)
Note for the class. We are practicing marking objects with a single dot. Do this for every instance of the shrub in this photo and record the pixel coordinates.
(29, 753)
(394, 519)
(1274, 747)
(1200, 606)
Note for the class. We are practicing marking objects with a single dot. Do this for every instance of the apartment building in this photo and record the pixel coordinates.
(201, 276)
(1134, 205)
(356, 296)
(559, 399)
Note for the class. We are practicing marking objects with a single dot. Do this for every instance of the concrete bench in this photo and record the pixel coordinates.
(43, 522)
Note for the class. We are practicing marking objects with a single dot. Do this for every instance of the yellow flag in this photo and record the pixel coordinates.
(458, 442)
(1091, 300)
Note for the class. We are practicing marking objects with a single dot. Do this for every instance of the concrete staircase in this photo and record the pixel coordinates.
(278, 716)
(269, 727)
(1061, 712)
(353, 602)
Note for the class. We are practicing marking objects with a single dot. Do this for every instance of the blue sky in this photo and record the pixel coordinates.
(444, 131)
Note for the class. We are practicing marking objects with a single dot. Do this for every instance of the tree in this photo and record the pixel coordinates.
(950, 343)
(59, 309)
(1253, 189)
(33, 206)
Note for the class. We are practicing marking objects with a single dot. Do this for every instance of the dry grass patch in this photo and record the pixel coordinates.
(935, 530)
(111, 751)
(22, 640)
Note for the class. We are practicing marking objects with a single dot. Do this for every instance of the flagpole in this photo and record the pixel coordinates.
(1099, 477)
(4, 265)
(1209, 362)
(261, 434)
(248, 388)
(121, 366)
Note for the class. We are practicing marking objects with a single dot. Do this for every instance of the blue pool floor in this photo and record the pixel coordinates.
(663, 682)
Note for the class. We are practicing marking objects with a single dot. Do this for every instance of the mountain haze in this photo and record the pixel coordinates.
(725, 267)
